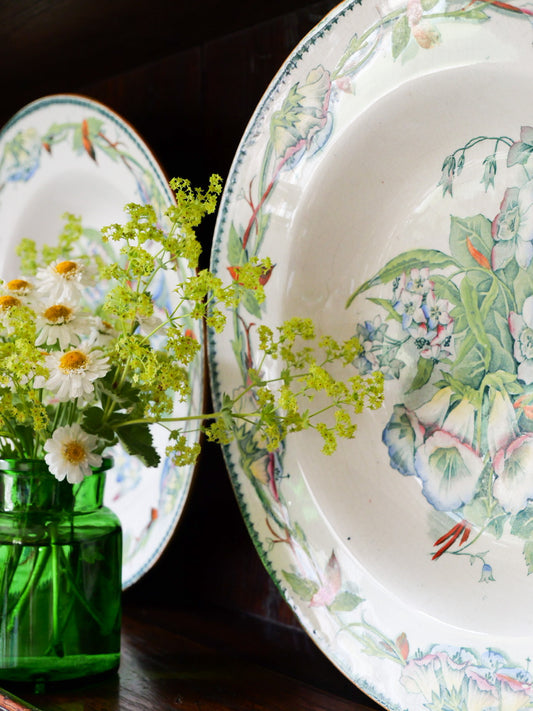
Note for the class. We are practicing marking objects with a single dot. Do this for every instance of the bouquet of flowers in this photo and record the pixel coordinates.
(88, 358)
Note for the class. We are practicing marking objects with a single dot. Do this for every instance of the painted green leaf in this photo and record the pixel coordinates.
(404, 262)
(528, 556)
(522, 523)
(428, 4)
(424, 370)
(345, 602)
(444, 288)
(469, 297)
(304, 588)
(522, 287)
(471, 240)
(401, 32)
(480, 512)
(251, 304)
(235, 250)
(469, 365)
(501, 356)
(388, 307)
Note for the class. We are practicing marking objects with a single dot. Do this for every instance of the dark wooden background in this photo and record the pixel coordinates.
(187, 76)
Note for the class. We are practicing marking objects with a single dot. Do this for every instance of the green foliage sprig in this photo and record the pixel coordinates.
(89, 357)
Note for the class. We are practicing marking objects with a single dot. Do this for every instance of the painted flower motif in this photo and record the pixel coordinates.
(72, 373)
(425, 34)
(486, 574)
(437, 311)
(70, 454)
(419, 281)
(22, 156)
(449, 471)
(62, 281)
(512, 228)
(437, 344)
(513, 465)
(521, 151)
(521, 327)
(502, 426)
(402, 436)
(409, 306)
(458, 684)
(63, 324)
(303, 116)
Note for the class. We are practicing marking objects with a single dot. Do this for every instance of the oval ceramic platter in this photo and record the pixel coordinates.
(388, 174)
(67, 153)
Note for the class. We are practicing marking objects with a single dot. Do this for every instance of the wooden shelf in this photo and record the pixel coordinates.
(194, 660)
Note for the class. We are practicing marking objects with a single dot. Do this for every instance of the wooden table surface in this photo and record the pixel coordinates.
(194, 660)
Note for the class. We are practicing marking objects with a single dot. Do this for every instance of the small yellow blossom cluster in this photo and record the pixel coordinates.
(304, 392)
(90, 355)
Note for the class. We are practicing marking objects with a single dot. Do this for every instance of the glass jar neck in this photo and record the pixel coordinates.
(27, 485)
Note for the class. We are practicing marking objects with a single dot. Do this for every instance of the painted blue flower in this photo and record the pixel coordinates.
(486, 574)
(449, 470)
(402, 435)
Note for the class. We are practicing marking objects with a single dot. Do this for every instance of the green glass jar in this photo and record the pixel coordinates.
(60, 575)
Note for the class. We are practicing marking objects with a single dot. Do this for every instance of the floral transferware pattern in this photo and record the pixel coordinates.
(464, 316)
(63, 133)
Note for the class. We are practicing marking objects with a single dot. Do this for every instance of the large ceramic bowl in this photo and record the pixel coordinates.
(388, 174)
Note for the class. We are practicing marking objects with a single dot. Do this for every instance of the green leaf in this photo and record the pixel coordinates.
(469, 297)
(388, 307)
(424, 370)
(345, 602)
(412, 259)
(93, 423)
(476, 231)
(137, 441)
(401, 33)
(428, 4)
(304, 588)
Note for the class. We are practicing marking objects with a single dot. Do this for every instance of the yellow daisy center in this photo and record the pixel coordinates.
(19, 285)
(72, 361)
(66, 269)
(57, 313)
(74, 452)
(7, 302)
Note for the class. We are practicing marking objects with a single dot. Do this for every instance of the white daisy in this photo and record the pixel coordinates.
(61, 323)
(103, 333)
(19, 287)
(69, 453)
(73, 372)
(7, 302)
(63, 280)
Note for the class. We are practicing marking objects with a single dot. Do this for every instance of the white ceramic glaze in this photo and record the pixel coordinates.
(387, 174)
(67, 153)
